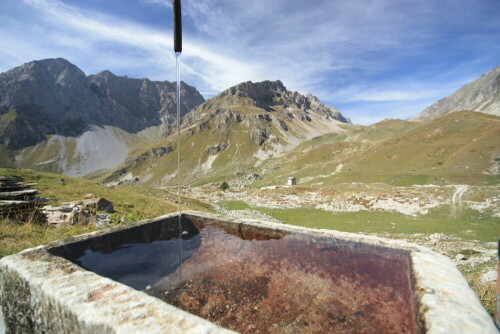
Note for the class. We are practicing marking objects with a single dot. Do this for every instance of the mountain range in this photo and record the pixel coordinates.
(55, 118)
(235, 131)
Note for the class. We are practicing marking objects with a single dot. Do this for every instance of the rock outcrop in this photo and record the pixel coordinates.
(88, 211)
(17, 199)
(482, 95)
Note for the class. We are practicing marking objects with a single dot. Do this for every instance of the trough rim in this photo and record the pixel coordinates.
(444, 301)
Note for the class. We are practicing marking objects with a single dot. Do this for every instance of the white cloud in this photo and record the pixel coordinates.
(383, 93)
(345, 52)
(163, 3)
(213, 68)
(370, 113)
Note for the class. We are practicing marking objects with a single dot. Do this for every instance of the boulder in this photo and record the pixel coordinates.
(60, 218)
(473, 262)
(216, 149)
(490, 277)
(436, 237)
(98, 204)
(161, 151)
(103, 220)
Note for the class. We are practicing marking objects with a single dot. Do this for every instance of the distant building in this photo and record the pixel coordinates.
(292, 181)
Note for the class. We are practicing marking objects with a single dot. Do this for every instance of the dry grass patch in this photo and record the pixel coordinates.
(130, 205)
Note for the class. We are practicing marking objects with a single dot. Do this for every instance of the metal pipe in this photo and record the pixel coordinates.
(176, 6)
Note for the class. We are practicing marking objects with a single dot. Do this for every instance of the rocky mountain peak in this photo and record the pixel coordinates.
(55, 72)
(59, 66)
(273, 95)
(144, 97)
(242, 127)
(255, 91)
(54, 97)
(105, 75)
(482, 95)
(34, 82)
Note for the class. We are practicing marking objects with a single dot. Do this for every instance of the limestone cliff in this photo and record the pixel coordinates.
(482, 95)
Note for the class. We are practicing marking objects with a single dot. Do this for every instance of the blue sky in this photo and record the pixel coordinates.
(370, 59)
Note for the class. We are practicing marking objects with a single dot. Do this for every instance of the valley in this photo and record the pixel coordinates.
(194, 166)
(433, 180)
(460, 148)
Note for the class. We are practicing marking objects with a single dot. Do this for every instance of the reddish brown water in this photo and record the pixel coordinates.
(261, 281)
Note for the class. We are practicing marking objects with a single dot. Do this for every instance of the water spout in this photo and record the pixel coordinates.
(176, 5)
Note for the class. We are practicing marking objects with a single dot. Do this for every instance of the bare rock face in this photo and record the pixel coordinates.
(143, 98)
(53, 96)
(269, 94)
(44, 97)
(270, 102)
(482, 95)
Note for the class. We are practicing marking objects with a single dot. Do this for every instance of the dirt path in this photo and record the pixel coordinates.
(457, 197)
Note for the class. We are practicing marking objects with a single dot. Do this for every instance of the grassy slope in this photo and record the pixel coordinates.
(480, 226)
(321, 155)
(193, 155)
(46, 155)
(465, 226)
(215, 127)
(456, 148)
(381, 130)
(146, 204)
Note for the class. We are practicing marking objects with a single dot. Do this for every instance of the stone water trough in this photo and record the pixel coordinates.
(223, 275)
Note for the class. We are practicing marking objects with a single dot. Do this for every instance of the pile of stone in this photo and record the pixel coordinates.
(18, 199)
(80, 212)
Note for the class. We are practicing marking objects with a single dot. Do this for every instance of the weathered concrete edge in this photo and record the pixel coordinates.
(446, 302)
(61, 297)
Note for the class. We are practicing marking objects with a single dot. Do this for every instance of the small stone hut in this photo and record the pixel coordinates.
(292, 181)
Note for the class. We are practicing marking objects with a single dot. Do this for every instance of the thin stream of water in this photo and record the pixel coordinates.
(178, 76)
